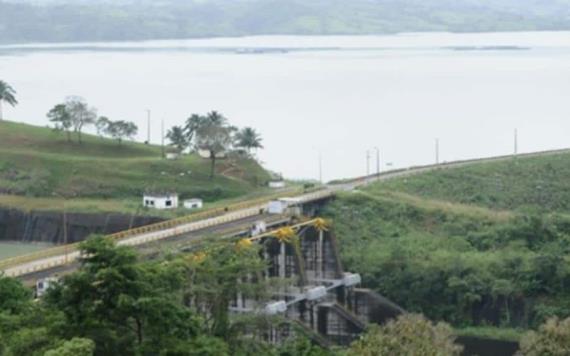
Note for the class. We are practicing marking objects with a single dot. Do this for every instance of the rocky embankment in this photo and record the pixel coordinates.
(48, 227)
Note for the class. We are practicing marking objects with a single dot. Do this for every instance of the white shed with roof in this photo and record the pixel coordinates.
(160, 201)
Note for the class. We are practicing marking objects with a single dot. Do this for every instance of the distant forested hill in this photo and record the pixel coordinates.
(104, 20)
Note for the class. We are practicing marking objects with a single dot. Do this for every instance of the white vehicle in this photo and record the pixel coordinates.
(284, 206)
(42, 285)
(258, 228)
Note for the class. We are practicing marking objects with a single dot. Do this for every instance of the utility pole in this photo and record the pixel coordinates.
(320, 167)
(437, 151)
(367, 162)
(377, 160)
(65, 229)
(148, 126)
(162, 137)
(516, 142)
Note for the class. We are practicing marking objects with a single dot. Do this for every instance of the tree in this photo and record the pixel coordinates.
(215, 118)
(61, 117)
(7, 95)
(177, 138)
(248, 139)
(120, 130)
(214, 137)
(215, 276)
(123, 306)
(81, 114)
(101, 125)
(193, 123)
(552, 338)
(13, 295)
(408, 335)
(74, 347)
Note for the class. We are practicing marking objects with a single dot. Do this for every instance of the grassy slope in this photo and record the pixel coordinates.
(100, 174)
(455, 243)
(537, 183)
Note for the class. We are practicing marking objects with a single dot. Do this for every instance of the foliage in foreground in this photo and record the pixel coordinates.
(410, 334)
(551, 339)
(117, 305)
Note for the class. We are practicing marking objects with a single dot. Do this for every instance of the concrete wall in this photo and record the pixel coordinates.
(16, 225)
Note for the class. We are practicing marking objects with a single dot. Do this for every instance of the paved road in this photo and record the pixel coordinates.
(245, 216)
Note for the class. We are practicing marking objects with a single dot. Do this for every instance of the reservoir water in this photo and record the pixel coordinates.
(335, 96)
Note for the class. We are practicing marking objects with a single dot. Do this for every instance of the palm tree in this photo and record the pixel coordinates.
(193, 123)
(215, 118)
(248, 138)
(177, 138)
(7, 94)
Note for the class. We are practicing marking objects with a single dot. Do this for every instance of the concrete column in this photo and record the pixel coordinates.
(282, 261)
(320, 256)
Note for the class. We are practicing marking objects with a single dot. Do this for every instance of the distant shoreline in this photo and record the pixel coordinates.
(95, 44)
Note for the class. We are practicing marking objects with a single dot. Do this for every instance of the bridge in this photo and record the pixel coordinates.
(323, 300)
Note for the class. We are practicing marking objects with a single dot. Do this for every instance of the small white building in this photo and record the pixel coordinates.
(206, 154)
(193, 203)
(172, 155)
(160, 201)
(276, 184)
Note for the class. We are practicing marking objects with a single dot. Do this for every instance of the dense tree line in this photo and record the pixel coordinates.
(117, 305)
(64, 21)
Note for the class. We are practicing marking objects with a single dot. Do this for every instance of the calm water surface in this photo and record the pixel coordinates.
(335, 95)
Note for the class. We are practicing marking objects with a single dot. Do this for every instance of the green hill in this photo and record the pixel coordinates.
(39, 169)
(534, 183)
(478, 246)
(79, 21)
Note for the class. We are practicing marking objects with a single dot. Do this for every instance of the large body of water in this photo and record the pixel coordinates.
(339, 96)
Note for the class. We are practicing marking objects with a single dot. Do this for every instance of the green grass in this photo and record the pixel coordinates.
(9, 249)
(489, 332)
(537, 183)
(101, 175)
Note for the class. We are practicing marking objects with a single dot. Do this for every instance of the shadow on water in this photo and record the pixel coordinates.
(380, 310)
(487, 347)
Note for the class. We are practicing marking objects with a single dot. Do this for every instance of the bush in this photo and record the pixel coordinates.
(551, 339)
(410, 334)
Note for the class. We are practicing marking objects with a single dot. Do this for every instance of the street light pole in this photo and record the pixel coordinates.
(320, 167)
(377, 160)
(516, 142)
(367, 162)
(162, 138)
(148, 126)
(437, 151)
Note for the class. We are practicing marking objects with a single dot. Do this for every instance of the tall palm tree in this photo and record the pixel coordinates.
(248, 139)
(215, 118)
(8, 95)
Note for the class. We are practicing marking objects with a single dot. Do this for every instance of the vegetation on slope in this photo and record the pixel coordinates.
(126, 20)
(40, 163)
(535, 183)
(464, 264)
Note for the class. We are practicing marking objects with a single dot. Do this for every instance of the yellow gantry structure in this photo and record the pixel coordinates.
(288, 234)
